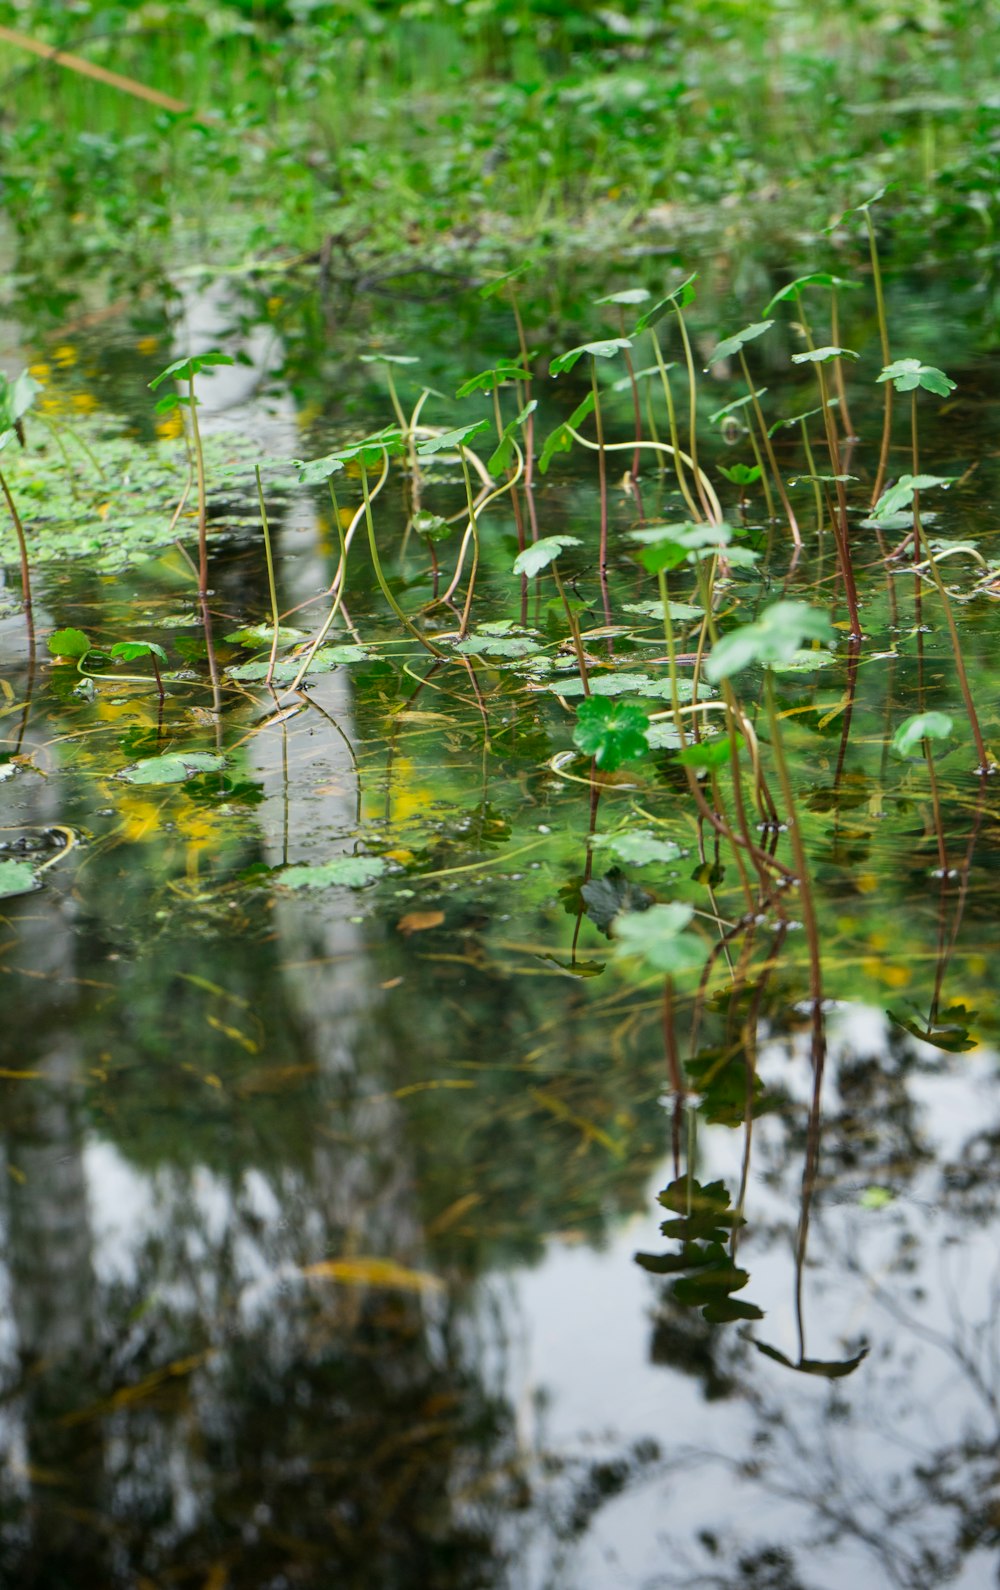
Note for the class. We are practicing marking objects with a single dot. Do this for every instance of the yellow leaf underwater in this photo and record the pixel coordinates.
(374, 1272)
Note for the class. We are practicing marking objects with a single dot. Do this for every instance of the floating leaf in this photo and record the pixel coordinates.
(354, 872)
(263, 634)
(639, 847)
(68, 643)
(612, 732)
(16, 877)
(173, 767)
(624, 685)
(480, 645)
(682, 611)
(325, 659)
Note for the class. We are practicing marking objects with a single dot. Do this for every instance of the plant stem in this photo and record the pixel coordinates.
(883, 331)
(956, 645)
(270, 578)
(675, 444)
(574, 629)
(769, 449)
(377, 565)
(199, 459)
(22, 547)
(798, 849)
(692, 407)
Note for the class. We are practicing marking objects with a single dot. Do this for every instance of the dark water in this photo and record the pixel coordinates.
(320, 1207)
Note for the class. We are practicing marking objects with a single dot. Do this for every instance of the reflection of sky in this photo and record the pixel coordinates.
(587, 1332)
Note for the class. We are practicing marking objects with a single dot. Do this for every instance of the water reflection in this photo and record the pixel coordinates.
(319, 1227)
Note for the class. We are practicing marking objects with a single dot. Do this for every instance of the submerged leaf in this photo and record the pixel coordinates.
(383, 1273)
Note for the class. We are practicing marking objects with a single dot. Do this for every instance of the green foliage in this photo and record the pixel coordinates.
(639, 847)
(68, 643)
(907, 375)
(823, 355)
(173, 767)
(503, 456)
(921, 726)
(187, 369)
(132, 650)
(16, 398)
(560, 440)
(776, 637)
(603, 349)
(16, 877)
(901, 495)
(732, 345)
(612, 732)
(452, 441)
(704, 1219)
(351, 872)
(659, 938)
(502, 374)
(541, 553)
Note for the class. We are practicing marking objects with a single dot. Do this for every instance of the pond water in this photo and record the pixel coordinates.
(321, 1204)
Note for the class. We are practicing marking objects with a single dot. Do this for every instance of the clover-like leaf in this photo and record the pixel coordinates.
(611, 731)
(68, 643)
(908, 374)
